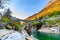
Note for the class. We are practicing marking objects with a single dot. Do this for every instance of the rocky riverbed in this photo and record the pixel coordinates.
(14, 35)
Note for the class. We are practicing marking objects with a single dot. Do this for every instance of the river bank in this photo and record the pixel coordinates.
(55, 30)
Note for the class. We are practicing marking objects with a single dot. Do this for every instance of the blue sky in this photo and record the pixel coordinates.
(25, 8)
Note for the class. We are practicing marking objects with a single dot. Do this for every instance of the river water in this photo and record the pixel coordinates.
(46, 36)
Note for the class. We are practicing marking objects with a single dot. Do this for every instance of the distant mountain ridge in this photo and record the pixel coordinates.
(53, 5)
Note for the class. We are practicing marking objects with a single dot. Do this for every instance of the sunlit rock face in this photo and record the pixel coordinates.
(53, 5)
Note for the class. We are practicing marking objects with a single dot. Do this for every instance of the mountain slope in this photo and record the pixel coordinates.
(50, 7)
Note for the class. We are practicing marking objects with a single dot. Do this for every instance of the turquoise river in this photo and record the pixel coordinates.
(46, 36)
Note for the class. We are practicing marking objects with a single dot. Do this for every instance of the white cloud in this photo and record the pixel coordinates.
(1, 10)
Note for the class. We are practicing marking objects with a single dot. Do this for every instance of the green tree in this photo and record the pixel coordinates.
(8, 13)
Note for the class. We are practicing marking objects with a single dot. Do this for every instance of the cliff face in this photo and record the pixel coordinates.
(50, 7)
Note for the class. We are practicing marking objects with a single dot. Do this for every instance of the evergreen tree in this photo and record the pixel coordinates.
(8, 13)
